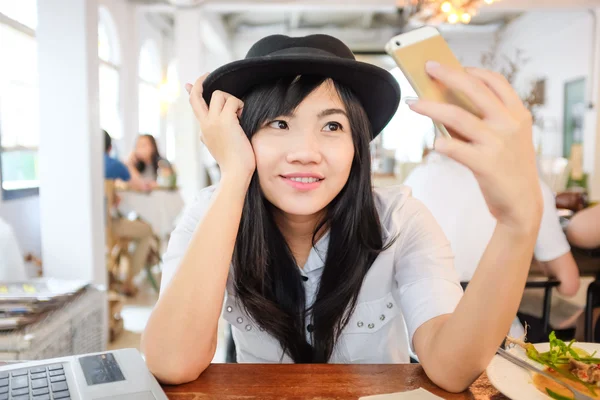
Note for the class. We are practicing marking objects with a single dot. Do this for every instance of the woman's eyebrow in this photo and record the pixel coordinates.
(332, 111)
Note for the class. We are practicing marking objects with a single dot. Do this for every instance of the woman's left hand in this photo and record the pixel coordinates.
(497, 147)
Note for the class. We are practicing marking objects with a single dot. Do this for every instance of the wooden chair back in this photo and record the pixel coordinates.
(109, 204)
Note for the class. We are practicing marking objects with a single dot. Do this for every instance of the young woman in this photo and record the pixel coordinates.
(143, 161)
(315, 265)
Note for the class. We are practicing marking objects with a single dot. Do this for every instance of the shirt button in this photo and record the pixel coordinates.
(310, 328)
(304, 278)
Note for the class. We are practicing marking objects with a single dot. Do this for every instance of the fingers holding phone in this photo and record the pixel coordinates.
(491, 127)
(497, 147)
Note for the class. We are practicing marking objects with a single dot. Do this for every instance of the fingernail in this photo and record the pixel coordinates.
(411, 100)
(431, 66)
(188, 87)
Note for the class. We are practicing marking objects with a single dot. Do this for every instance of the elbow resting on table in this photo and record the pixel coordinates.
(171, 369)
(452, 379)
(175, 372)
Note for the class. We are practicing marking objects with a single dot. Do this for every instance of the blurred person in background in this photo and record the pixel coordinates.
(584, 228)
(450, 191)
(135, 230)
(145, 160)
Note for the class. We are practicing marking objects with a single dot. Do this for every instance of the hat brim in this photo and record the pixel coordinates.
(377, 90)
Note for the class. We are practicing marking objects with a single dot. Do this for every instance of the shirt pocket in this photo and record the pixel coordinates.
(374, 334)
(252, 343)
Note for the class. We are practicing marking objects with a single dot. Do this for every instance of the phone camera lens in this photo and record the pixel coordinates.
(398, 43)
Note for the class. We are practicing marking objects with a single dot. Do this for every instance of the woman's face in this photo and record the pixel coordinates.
(143, 149)
(303, 160)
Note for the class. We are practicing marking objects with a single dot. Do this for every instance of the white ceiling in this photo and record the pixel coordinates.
(365, 25)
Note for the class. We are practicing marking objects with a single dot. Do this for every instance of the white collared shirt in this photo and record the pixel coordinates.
(408, 284)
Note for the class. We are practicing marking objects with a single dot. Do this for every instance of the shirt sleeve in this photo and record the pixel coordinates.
(551, 242)
(182, 235)
(122, 172)
(428, 284)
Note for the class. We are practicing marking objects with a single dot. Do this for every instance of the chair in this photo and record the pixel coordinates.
(116, 248)
(230, 352)
(588, 261)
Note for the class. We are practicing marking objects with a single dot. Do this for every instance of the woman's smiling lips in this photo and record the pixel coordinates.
(303, 181)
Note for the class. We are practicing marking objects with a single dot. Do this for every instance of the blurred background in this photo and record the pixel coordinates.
(70, 69)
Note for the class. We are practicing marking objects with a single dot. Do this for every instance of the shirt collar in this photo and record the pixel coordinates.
(318, 254)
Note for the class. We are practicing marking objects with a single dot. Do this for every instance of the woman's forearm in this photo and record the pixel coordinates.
(462, 344)
(179, 340)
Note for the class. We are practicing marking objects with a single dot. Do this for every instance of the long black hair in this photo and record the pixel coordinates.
(267, 279)
(141, 165)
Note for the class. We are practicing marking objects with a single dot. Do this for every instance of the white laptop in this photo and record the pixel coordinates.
(116, 375)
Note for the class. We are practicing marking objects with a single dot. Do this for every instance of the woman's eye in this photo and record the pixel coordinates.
(332, 126)
(279, 125)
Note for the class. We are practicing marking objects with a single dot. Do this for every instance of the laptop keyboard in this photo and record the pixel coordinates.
(37, 383)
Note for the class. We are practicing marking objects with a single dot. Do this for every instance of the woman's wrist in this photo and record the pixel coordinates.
(238, 182)
(521, 229)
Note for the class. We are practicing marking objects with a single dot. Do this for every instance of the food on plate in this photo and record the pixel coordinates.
(566, 362)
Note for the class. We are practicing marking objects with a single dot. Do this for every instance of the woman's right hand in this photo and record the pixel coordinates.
(221, 131)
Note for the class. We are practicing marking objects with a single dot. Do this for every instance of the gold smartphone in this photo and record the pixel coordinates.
(411, 50)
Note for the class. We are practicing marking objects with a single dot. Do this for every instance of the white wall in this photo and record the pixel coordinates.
(559, 45)
(469, 47)
(24, 216)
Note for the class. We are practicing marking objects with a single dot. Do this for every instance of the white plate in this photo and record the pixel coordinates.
(515, 382)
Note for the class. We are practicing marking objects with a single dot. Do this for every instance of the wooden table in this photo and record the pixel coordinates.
(315, 382)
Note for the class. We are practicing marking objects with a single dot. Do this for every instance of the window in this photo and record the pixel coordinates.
(408, 132)
(19, 99)
(22, 11)
(108, 75)
(169, 93)
(150, 73)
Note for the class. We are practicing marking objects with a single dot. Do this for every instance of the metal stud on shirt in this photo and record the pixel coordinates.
(240, 320)
(371, 326)
(229, 309)
(360, 324)
(248, 327)
(390, 305)
(382, 317)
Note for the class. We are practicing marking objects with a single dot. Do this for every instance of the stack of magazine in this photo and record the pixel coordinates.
(22, 303)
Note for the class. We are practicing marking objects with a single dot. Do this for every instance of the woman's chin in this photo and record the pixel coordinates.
(301, 207)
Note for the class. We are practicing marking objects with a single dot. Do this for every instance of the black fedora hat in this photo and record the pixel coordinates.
(279, 56)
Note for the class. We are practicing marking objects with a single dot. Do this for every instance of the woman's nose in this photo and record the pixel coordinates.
(305, 150)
